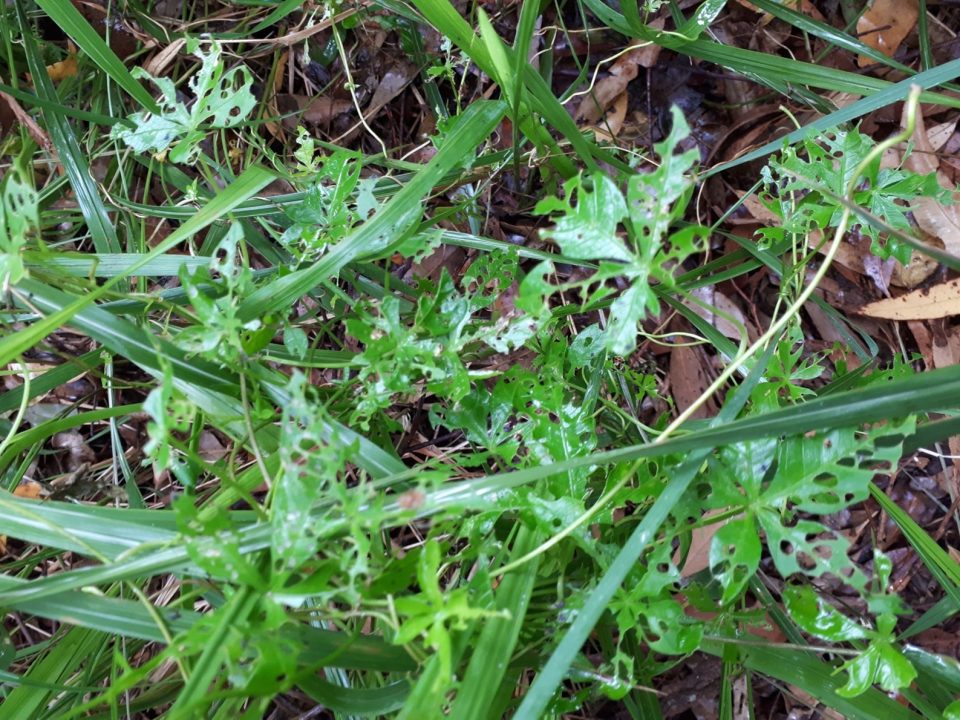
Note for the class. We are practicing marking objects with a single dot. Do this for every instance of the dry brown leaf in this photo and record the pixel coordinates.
(921, 336)
(884, 26)
(946, 351)
(29, 489)
(915, 272)
(36, 132)
(688, 378)
(698, 556)
(622, 73)
(717, 301)
(65, 68)
(394, 80)
(934, 218)
(319, 110)
(939, 301)
(612, 123)
(159, 62)
(939, 135)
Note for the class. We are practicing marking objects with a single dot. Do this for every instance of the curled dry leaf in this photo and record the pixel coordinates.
(29, 489)
(936, 219)
(688, 378)
(78, 452)
(939, 301)
(612, 123)
(161, 61)
(719, 306)
(914, 272)
(394, 80)
(319, 110)
(622, 73)
(884, 26)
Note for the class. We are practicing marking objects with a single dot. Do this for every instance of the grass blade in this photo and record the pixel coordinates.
(498, 638)
(804, 670)
(69, 19)
(72, 157)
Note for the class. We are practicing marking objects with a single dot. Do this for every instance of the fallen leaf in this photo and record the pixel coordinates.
(36, 132)
(939, 135)
(320, 110)
(884, 26)
(688, 378)
(936, 219)
(624, 71)
(939, 301)
(29, 489)
(394, 80)
(915, 272)
(715, 307)
(612, 123)
(698, 556)
(159, 62)
(946, 351)
(63, 69)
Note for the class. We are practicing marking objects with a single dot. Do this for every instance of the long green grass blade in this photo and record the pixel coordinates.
(498, 638)
(69, 19)
(72, 158)
(58, 666)
(926, 392)
(368, 702)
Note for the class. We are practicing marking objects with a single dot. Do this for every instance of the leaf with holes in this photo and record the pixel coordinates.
(881, 663)
(642, 253)
(735, 556)
(310, 463)
(819, 619)
(587, 229)
(668, 629)
(18, 218)
(825, 472)
(221, 100)
(810, 548)
(829, 160)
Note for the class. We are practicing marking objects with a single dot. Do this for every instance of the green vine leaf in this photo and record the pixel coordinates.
(221, 100)
(588, 229)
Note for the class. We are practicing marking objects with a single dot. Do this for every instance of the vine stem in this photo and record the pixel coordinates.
(777, 327)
